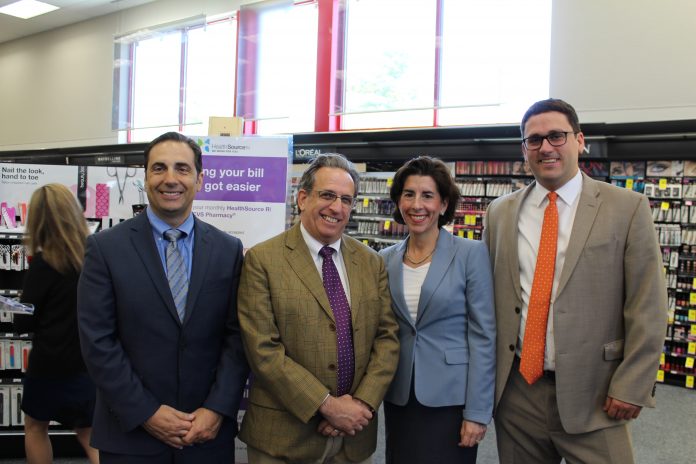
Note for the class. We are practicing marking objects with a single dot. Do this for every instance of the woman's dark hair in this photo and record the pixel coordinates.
(439, 172)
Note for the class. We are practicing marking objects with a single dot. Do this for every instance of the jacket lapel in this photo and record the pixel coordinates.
(442, 259)
(202, 250)
(144, 244)
(353, 275)
(510, 237)
(300, 261)
(588, 206)
(395, 271)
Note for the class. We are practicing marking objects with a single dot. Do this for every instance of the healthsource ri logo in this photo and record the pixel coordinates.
(204, 144)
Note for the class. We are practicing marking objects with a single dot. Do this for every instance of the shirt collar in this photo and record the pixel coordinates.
(315, 245)
(567, 193)
(160, 227)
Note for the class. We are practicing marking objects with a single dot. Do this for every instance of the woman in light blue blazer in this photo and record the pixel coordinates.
(441, 400)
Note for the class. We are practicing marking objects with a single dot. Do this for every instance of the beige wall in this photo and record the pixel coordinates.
(615, 60)
(625, 60)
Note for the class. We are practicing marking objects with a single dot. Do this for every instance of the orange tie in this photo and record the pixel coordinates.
(532, 363)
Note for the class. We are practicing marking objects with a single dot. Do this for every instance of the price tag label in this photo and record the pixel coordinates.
(390, 181)
(366, 241)
(693, 283)
(691, 349)
(693, 330)
(692, 315)
(689, 363)
(470, 236)
(663, 184)
(692, 298)
(662, 359)
(387, 225)
(461, 233)
(629, 184)
(366, 202)
(660, 376)
(664, 206)
(689, 381)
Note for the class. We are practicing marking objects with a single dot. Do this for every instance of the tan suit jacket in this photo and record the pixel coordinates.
(610, 310)
(289, 336)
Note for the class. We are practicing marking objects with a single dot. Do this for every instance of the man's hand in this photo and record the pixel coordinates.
(346, 414)
(205, 426)
(328, 430)
(471, 434)
(169, 425)
(620, 410)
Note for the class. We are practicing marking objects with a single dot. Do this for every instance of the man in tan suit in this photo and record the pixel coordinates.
(318, 329)
(605, 313)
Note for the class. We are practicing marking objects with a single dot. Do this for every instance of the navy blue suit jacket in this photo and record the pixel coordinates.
(137, 351)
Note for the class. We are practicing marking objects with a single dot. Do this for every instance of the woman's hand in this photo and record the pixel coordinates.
(471, 434)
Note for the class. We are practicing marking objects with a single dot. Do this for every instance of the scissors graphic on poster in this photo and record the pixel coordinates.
(114, 172)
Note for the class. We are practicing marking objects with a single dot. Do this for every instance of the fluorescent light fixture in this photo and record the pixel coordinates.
(26, 9)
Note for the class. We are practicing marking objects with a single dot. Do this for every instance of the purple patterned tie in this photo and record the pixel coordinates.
(344, 330)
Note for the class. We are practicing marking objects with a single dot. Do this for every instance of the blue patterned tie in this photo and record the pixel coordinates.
(176, 272)
(341, 312)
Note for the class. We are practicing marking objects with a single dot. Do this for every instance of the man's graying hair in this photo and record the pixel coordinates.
(328, 160)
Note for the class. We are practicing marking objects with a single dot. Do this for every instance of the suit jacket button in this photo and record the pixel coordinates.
(512, 347)
(332, 327)
(517, 310)
(332, 367)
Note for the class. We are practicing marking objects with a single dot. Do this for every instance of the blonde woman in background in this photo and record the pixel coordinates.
(56, 385)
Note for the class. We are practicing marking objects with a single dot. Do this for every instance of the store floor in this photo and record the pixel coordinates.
(661, 435)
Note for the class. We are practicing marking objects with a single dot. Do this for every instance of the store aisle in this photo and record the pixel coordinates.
(664, 435)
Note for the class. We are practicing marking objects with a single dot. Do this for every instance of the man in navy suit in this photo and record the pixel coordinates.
(169, 371)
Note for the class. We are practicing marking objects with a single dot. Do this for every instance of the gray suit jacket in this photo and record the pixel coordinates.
(610, 307)
(451, 345)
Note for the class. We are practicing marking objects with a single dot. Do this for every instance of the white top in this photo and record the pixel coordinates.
(413, 281)
(529, 234)
(315, 245)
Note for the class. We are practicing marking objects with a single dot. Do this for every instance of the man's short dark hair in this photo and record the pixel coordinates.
(177, 137)
(552, 104)
(328, 160)
(440, 173)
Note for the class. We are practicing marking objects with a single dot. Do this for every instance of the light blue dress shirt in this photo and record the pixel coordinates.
(185, 243)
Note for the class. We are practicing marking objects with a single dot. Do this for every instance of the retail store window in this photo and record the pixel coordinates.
(495, 57)
(174, 78)
(443, 62)
(277, 66)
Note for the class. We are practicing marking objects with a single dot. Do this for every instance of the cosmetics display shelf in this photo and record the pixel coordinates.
(14, 347)
(671, 197)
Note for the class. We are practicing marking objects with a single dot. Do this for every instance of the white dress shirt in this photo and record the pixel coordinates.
(529, 234)
(315, 245)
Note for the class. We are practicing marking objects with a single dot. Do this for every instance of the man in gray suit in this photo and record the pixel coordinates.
(578, 270)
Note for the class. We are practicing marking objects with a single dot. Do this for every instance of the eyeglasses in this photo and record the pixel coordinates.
(329, 197)
(555, 139)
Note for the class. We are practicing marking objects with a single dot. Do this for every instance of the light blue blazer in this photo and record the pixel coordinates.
(451, 344)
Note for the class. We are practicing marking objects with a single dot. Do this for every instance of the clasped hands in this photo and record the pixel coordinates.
(178, 429)
(343, 415)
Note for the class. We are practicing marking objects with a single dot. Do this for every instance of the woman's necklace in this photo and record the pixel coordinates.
(408, 258)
